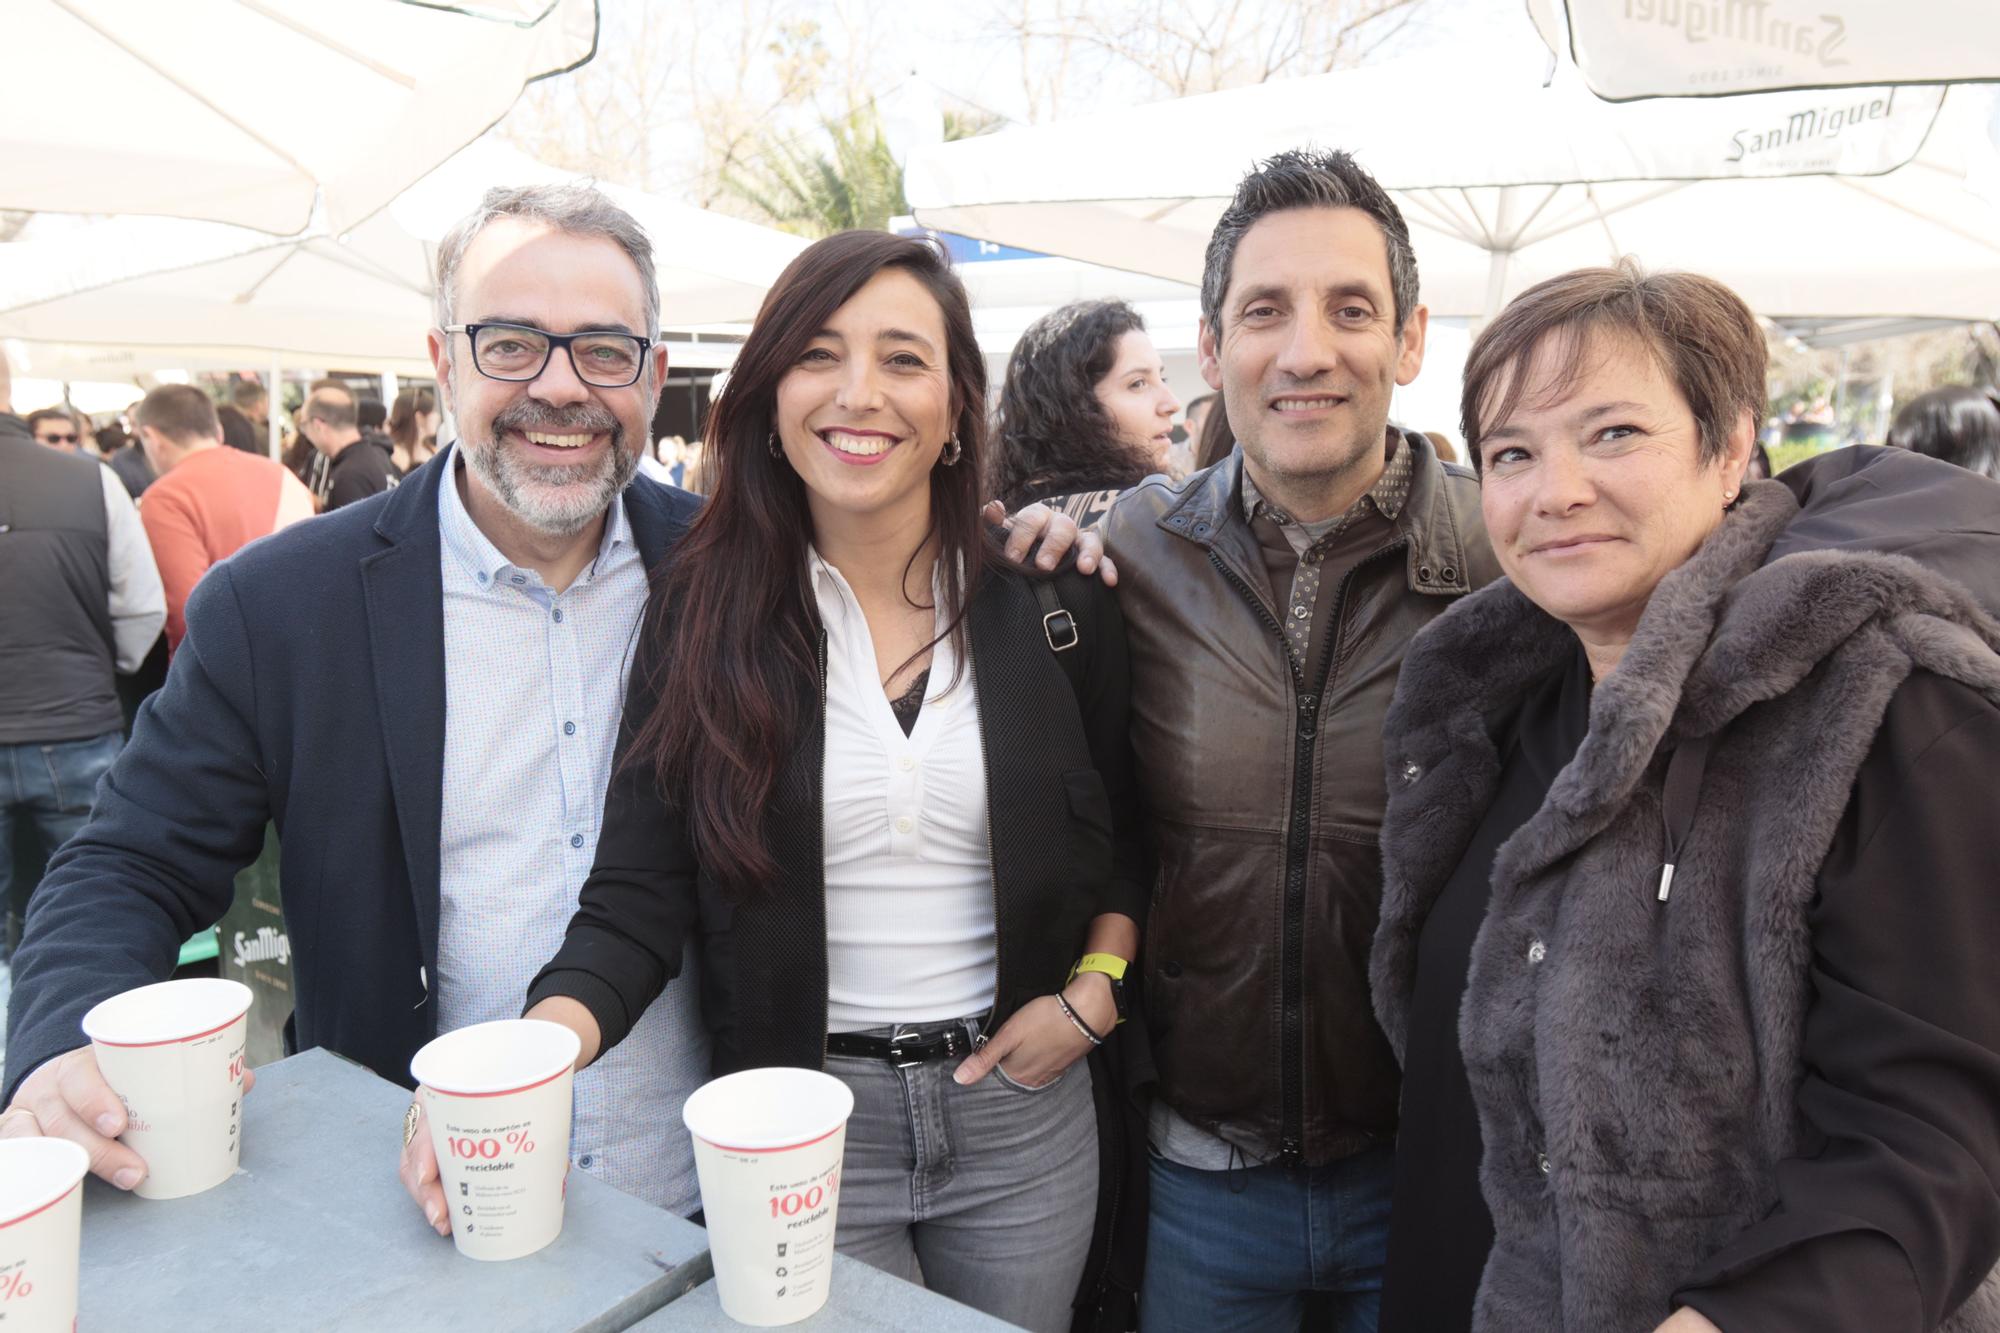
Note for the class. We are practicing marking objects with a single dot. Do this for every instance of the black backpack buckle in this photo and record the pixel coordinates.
(1060, 623)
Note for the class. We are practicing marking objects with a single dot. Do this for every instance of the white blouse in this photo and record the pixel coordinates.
(909, 879)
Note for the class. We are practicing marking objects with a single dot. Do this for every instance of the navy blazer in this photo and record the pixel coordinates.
(309, 692)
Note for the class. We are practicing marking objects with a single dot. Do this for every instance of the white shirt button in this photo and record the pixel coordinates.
(906, 762)
(904, 824)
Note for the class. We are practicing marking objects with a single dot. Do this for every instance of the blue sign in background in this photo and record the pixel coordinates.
(970, 250)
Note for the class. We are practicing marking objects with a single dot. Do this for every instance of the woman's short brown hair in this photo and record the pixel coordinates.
(1700, 333)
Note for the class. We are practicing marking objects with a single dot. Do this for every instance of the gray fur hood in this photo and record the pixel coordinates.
(1635, 1065)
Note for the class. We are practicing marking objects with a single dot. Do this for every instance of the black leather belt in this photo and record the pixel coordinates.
(908, 1047)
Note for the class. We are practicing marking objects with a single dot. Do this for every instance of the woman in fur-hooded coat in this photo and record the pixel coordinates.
(1760, 1091)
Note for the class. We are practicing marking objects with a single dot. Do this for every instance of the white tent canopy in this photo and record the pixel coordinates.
(1705, 48)
(163, 291)
(1815, 203)
(244, 110)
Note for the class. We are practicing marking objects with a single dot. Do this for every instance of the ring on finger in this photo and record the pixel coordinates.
(409, 1126)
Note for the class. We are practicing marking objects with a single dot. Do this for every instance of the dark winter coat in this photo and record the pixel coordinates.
(1635, 1064)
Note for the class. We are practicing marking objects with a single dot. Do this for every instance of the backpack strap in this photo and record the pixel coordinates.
(1060, 629)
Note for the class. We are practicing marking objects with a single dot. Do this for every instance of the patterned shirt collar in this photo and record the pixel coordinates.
(477, 553)
(1388, 495)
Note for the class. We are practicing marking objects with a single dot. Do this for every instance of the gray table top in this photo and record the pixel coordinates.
(314, 1231)
(863, 1300)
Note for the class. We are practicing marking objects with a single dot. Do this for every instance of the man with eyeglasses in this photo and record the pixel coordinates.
(421, 690)
(80, 599)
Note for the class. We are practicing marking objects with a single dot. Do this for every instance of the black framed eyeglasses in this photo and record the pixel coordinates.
(517, 353)
(71, 438)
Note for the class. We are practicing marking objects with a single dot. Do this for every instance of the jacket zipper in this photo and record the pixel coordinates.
(1117, 1124)
(1298, 842)
(825, 944)
(1291, 1147)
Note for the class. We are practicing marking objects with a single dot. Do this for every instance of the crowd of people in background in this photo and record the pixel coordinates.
(1287, 867)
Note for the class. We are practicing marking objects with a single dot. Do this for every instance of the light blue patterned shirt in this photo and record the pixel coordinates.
(534, 681)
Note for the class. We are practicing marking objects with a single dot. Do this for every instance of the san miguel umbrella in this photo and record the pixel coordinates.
(1819, 203)
(1707, 48)
(249, 111)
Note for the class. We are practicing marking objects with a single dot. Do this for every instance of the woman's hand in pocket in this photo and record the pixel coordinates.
(1034, 1046)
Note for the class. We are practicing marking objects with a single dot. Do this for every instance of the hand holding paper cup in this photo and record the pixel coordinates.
(173, 1053)
(767, 1148)
(497, 1098)
(41, 1216)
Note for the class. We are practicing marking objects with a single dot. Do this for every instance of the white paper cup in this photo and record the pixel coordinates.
(41, 1216)
(497, 1096)
(173, 1053)
(767, 1147)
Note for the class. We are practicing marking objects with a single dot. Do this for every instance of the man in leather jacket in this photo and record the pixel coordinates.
(1268, 601)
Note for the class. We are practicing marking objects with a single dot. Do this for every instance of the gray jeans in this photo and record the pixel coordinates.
(985, 1194)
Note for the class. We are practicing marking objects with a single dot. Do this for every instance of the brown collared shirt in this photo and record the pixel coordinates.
(1313, 548)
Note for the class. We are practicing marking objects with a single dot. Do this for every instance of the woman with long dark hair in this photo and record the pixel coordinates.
(879, 775)
(1085, 410)
(413, 423)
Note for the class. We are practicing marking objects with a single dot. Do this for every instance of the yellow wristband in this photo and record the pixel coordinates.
(1110, 964)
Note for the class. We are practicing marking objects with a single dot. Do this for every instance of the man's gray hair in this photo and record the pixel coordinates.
(579, 210)
(1307, 178)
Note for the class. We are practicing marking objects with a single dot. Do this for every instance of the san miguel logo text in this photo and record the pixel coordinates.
(1815, 123)
(1746, 23)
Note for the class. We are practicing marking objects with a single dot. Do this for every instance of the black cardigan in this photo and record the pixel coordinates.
(1064, 847)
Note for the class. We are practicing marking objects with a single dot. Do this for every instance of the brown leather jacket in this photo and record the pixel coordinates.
(1266, 797)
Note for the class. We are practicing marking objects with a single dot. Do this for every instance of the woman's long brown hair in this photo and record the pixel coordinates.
(732, 624)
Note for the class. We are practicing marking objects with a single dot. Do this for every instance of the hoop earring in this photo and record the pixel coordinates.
(953, 451)
(777, 450)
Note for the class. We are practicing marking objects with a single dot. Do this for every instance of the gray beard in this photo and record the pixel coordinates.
(550, 499)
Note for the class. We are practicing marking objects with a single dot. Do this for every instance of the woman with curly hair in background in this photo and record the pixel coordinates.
(1085, 411)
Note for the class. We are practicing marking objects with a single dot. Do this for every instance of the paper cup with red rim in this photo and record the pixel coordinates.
(767, 1147)
(173, 1052)
(497, 1096)
(41, 1218)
